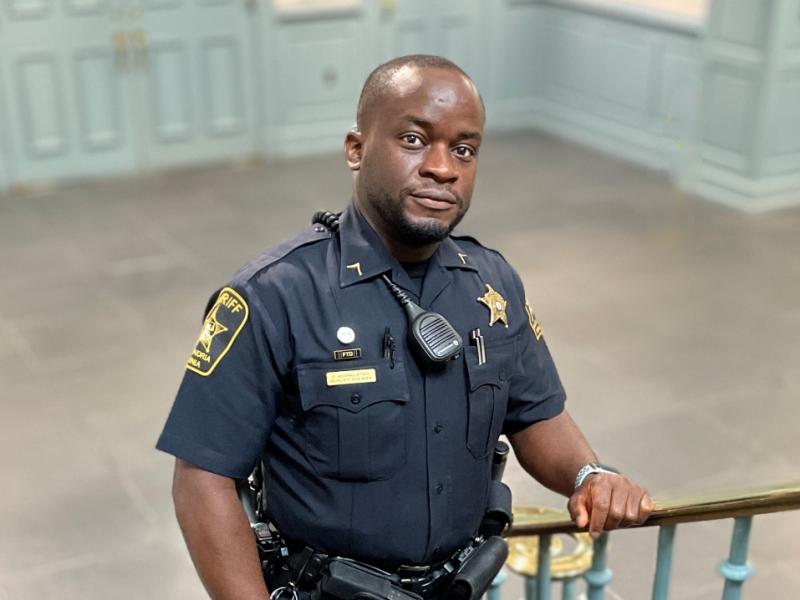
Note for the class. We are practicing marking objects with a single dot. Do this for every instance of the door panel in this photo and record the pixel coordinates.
(223, 88)
(449, 29)
(170, 95)
(99, 91)
(196, 67)
(67, 101)
(39, 88)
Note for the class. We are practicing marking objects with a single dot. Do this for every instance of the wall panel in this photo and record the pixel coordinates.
(678, 92)
(743, 22)
(39, 82)
(732, 93)
(317, 81)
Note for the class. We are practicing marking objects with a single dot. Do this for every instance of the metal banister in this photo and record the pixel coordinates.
(536, 529)
(699, 507)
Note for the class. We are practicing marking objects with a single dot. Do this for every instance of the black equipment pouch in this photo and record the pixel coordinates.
(473, 578)
(348, 580)
(498, 510)
(498, 514)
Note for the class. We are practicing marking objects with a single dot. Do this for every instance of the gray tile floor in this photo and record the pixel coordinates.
(675, 324)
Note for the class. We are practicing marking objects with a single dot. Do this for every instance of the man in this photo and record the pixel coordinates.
(304, 362)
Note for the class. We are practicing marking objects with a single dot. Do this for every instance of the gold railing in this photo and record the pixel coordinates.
(687, 509)
(540, 526)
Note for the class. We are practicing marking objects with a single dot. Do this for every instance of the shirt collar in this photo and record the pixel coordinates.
(364, 254)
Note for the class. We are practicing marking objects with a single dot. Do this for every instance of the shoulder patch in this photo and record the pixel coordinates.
(222, 324)
(537, 329)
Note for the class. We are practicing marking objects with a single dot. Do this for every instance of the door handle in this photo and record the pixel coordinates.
(119, 40)
(141, 47)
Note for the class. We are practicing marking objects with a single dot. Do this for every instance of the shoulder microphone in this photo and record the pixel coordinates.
(432, 338)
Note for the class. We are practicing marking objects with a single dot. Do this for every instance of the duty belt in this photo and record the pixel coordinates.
(305, 569)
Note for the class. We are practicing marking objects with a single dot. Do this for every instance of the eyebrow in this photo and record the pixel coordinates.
(427, 126)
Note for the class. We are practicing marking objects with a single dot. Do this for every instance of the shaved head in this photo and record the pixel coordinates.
(399, 76)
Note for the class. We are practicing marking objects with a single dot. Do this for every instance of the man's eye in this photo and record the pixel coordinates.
(464, 151)
(412, 139)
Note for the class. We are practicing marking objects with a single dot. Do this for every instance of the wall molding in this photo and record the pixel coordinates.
(742, 193)
(606, 135)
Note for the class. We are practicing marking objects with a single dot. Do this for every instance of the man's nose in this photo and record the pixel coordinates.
(439, 164)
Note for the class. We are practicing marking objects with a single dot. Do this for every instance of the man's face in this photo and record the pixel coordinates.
(420, 155)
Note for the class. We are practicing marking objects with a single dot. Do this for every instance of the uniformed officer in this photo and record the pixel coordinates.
(304, 362)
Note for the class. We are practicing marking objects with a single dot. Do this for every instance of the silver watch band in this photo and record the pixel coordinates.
(590, 469)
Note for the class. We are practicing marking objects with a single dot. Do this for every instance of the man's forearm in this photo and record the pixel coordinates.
(217, 534)
(553, 451)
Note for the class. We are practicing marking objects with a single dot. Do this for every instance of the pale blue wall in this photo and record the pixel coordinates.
(716, 107)
(748, 135)
(625, 85)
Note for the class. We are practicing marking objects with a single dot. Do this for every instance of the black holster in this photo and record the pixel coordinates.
(348, 580)
(474, 577)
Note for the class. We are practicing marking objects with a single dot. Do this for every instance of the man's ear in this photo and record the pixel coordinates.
(353, 149)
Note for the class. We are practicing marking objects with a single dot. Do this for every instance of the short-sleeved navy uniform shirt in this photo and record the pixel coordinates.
(371, 458)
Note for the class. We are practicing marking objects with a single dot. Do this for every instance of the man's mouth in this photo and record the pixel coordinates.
(434, 199)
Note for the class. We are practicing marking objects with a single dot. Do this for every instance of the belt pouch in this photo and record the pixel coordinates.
(350, 580)
(498, 514)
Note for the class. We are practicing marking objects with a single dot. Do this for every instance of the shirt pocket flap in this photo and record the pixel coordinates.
(351, 386)
(498, 366)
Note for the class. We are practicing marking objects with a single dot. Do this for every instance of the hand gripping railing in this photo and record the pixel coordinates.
(742, 506)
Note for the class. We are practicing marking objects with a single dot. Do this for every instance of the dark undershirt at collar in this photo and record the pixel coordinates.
(416, 273)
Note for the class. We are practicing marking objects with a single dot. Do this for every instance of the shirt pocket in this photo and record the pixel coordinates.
(354, 431)
(487, 396)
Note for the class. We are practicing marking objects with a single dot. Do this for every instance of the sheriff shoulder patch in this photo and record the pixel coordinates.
(223, 323)
(537, 329)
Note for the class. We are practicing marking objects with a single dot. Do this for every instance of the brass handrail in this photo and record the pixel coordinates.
(700, 507)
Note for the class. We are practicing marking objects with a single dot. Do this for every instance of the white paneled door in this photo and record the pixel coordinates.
(68, 99)
(198, 79)
(109, 86)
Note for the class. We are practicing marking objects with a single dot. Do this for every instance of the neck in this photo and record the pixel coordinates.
(401, 251)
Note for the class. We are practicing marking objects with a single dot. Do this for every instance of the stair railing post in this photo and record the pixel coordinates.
(735, 570)
(598, 577)
(666, 541)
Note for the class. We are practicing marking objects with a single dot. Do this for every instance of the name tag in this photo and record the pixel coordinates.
(333, 378)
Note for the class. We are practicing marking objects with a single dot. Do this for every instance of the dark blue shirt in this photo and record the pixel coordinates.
(367, 457)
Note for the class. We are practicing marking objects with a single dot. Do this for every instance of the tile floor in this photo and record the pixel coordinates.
(675, 324)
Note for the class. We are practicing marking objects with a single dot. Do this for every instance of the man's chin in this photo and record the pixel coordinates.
(424, 230)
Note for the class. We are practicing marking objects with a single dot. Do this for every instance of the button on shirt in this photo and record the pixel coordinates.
(370, 457)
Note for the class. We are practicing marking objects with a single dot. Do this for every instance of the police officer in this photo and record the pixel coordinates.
(304, 361)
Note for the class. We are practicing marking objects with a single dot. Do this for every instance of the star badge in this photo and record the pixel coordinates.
(211, 328)
(496, 304)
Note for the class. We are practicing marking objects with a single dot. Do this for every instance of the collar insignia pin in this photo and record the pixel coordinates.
(356, 267)
(496, 304)
(463, 258)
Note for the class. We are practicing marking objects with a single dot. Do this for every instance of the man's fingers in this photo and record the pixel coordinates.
(579, 510)
(617, 508)
(646, 506)
(601, 503)
(633, 511)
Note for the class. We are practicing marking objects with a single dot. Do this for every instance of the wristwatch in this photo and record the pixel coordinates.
(591, 469)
